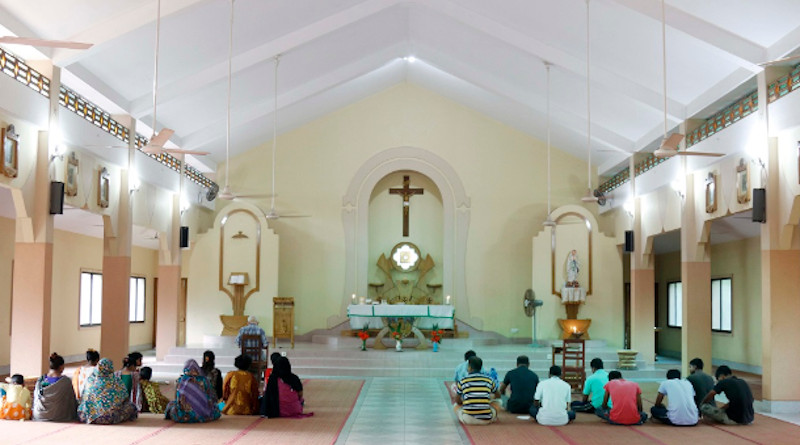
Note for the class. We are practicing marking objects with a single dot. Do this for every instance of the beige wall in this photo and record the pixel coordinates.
(73, 253)
(502, 169)
(740, 260)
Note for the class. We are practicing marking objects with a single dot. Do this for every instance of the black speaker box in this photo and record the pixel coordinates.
(760, 205)
(56, 198)
(629, 240)
(184, 237)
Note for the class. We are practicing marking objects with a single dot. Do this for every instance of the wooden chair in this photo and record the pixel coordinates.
(573, 363)
(252, 346)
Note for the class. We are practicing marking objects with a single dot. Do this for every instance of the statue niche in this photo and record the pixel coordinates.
(405, 279)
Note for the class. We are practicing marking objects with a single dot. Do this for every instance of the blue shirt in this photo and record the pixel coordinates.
(594, 385)
(461, 372)
(252, 329)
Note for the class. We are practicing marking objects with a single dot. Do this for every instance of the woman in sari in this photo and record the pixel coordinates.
(15, 399)
(240, 389)
(105, 400)
(129, 374)
(53, 397)
(83, 373)
(195, 400)
(284, 394)
(212, 373)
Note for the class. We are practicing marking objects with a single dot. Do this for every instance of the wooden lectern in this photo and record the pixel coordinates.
(282, 319)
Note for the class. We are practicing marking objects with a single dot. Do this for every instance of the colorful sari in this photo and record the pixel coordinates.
(195, 400)
(156, 401)
(105, 400)
(240, 392)
(54, 400)
(15, 403)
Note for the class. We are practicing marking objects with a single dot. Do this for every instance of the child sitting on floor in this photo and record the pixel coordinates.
(154, 399)
(15, 403)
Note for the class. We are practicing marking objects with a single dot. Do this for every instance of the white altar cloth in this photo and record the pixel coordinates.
(425, 315)
(573, 295)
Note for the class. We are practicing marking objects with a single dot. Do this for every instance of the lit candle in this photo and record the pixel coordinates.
(447, 300)
(354, 299)
(574, 329)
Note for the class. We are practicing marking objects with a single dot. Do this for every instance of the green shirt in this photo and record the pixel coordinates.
(594, 386)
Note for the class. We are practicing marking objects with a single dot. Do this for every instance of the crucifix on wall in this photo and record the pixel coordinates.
(407, 192)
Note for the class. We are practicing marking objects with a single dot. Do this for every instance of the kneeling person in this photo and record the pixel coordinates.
(681, 409)
(552, 400)
(474, 396)
(522, 382)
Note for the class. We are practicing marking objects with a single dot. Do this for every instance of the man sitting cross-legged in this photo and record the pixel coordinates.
(594, 387)
(627, 398)
(739, 409)
(473, 405)
(522, 382)
(681, 410)
(702, 382)
(551, 400)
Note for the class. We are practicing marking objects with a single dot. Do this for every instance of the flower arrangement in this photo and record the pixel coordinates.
(436, 335)
(363, 334)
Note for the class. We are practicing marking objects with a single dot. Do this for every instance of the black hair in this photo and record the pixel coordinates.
(146, 373)
(673, 374)
(56, 361)
(273, 358)
(596, 363)
(613, 375)
(696, 362)
(469, 354)
(723, 370)
(555, 370)
(475, 363)
(243, 362)
(131, 359)
(92, 356)
(523, 360)
(208, 361)
(17, 379)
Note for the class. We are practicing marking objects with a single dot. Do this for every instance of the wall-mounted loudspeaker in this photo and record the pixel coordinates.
(760, 205)
(629, 240)
(184, 237)
(56, 198)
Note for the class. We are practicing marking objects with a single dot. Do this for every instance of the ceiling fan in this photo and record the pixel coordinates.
(670, 144)
(14, 40)
(589, 197)
(779, 61)
(227, 193)
(273, 214)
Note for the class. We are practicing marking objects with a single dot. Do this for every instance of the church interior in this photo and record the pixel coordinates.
(366, 177)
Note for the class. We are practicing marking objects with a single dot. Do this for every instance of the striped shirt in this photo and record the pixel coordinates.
(476, 391)
(252, 329)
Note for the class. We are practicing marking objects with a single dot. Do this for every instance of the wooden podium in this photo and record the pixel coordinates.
(282, 319)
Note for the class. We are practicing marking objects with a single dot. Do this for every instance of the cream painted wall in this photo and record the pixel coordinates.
(386, 223)
(740, 260)
(503, 172)
(73, 253)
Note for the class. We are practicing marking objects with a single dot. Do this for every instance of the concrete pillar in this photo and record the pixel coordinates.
(169, 288)
(30, 330)
(642, 293)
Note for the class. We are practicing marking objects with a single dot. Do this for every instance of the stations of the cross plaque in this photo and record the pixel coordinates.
(406, 192)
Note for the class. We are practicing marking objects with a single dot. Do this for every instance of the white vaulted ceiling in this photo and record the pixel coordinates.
(485, 55)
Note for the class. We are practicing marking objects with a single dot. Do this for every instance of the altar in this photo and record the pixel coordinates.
(425, 316)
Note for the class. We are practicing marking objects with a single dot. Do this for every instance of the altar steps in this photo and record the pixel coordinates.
(338, 356)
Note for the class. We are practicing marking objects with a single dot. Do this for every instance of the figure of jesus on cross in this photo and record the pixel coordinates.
(407, 192)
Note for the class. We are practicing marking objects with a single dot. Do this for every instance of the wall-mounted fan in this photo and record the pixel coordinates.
(601, 197)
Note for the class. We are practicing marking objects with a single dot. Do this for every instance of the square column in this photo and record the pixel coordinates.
(169, 289)
(643, 309)
(696, 317)
(115, 326)
(31, 313)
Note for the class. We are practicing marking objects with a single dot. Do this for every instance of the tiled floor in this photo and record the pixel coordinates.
(402, 411)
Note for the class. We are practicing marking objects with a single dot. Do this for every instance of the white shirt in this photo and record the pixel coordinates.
(554, 395)
(681, 409)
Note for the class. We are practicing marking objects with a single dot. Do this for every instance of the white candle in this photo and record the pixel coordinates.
(447, 300)
(354, 299)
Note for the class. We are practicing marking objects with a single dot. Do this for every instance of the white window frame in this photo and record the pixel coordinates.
(675, 304)
(90, 312)
(138, 298)
(722, 305)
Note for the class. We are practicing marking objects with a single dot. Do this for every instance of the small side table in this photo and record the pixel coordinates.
(627, 358)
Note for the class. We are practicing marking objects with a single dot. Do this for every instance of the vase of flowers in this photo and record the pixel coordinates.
(363, 334)
(398, 338)
(436, 337)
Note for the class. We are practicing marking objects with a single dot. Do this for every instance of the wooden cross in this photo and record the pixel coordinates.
(407, 193)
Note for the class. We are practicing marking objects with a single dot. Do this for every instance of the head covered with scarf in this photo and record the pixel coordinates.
(103, 392)
(192, 390)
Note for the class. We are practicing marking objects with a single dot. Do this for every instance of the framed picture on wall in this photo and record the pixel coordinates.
(9, 147)
(711, 193)
(102, 188)
(743, 181)
(71, 182)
